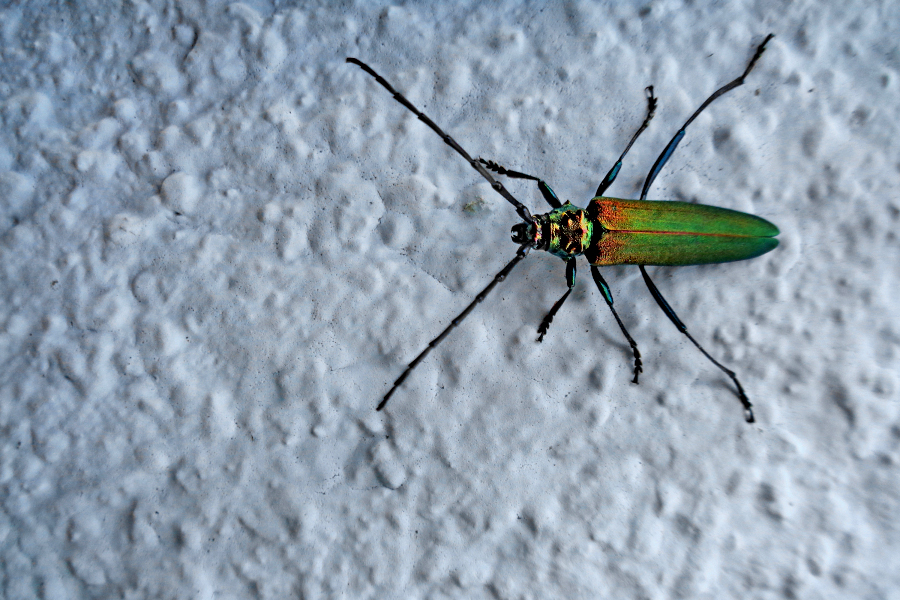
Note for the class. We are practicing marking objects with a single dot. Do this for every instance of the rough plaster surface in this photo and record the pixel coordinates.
(220, 244)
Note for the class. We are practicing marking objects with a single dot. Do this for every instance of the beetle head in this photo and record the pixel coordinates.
(529, 232)
(522, 233)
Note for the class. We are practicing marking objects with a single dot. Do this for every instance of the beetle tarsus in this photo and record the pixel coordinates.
(546, 191)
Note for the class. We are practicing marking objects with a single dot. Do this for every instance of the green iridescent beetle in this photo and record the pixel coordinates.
(613, 231)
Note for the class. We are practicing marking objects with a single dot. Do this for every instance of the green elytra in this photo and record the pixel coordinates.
(614, 231)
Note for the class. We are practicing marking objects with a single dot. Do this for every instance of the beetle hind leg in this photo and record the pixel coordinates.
(742, 396)
(673, 144)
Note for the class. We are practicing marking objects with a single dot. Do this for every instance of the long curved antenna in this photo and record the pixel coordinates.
(521, 209)
(521, 253)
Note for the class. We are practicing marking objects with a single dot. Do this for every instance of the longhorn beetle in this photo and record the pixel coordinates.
(613, 231)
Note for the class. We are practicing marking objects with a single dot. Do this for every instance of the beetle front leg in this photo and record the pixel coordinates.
(546, 191)
(570, 281)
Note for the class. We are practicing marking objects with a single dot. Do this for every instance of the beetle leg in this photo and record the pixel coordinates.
(670, 148)
(748, 407)
(607, 295)
(548, 194)
(570, 281)
(611, 176)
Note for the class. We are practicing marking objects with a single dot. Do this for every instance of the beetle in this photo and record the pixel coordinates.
(615, 231)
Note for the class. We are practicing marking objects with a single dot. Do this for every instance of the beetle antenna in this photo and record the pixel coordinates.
(521, 209)
(521, 253)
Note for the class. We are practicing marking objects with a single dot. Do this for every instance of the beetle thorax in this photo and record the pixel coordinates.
(564, 232)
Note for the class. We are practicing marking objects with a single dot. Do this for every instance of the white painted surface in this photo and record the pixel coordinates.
(221, 244)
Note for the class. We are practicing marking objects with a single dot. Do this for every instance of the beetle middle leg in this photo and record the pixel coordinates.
(570, 281)
(614, 172)
(548, 193)
(607, 295)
